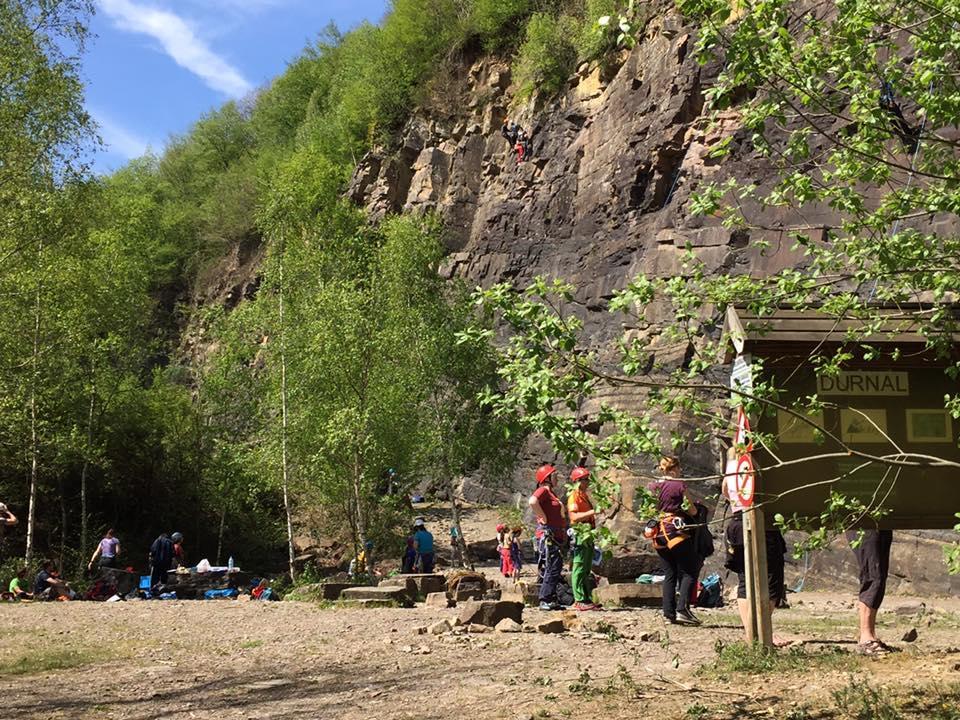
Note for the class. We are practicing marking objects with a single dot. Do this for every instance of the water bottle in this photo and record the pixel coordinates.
(230, 564)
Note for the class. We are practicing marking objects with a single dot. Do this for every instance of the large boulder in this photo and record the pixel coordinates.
(331, 591)
(490, 612)
(627, 568)
(392, 595)
(630, 595)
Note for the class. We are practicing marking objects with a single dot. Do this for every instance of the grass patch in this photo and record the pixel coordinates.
(47, 660)
(251, 644)
(862, 701)
(758, 660)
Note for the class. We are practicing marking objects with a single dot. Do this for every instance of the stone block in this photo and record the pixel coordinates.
(441, 627)
(331, 591)
(429, 583)
(625, 568)
(551, 627)
(390, 595)
(403, 582)
(508, 626)
(630, 595)
(490, 612)
(418, 585)
(440, 600)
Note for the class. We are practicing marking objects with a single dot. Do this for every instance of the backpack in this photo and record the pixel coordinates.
(711, 592)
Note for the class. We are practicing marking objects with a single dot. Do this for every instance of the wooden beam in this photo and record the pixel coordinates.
(760, 628)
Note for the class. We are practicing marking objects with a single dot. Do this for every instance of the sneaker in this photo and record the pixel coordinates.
(584, 607)
(685, 617)
(550, 606)
(670, 619)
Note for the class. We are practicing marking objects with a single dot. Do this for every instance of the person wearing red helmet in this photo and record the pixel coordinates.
(551, 533)
(581, 511)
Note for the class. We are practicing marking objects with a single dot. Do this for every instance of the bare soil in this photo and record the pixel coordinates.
(233, 659)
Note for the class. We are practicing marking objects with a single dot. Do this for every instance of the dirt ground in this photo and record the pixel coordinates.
(231, 659)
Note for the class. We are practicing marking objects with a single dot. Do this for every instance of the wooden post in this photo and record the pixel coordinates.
(759, 628)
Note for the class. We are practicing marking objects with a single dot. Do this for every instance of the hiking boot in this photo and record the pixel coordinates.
(685, 617)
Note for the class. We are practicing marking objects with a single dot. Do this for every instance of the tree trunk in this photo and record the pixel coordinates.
(283, 430)
(34, 436)
(455, 513)
(223, 520)
(358, 501)
(84, 520)
(63, 526)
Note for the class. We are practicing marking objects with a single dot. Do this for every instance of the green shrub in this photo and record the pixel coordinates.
(548, 55)
(592, 42)
(498, 23)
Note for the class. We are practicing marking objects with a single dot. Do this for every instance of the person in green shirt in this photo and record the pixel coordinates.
(16, 586)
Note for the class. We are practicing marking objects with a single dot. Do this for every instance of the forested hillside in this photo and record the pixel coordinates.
(292, 393)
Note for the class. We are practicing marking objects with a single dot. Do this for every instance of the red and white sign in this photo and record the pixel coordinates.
(745, 481)
(742, 439)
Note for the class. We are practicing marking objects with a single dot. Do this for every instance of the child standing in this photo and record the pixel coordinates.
(516, 557)
(503, 547)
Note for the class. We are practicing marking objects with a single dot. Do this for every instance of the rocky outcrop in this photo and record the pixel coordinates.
(604, 197)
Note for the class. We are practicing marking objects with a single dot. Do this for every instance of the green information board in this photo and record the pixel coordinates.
(875, 413)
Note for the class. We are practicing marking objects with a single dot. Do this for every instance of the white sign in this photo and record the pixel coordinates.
(862, 382)
(741, 377)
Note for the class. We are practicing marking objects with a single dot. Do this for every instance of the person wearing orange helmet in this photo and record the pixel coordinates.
(551, 533)
(581, 511)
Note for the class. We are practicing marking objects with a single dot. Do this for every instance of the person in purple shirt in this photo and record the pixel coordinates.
(107, 551)
(679, 562)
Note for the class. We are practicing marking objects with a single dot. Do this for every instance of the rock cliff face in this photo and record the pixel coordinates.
(604, 197)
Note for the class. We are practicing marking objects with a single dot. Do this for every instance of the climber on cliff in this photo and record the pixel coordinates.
(523, 145)
(909, 134)
(510, 130)
(518, 139)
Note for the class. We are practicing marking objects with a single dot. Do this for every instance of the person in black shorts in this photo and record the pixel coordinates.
(873, 559)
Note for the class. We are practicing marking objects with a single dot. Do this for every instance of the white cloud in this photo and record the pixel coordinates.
(180, 42)
(118, 139)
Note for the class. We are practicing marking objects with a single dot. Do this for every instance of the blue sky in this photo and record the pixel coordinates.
(158, 65)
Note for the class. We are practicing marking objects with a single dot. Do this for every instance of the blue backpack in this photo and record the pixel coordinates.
(711, 592)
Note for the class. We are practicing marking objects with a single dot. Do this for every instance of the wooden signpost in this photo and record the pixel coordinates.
(874, 407)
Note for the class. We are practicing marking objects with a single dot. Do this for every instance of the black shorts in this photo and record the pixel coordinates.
(776, 558)
(873, 559)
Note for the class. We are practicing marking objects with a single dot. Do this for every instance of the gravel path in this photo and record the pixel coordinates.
(231, 659)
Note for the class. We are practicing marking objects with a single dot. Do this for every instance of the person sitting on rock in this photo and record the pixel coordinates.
(358, 565)
(423, 544)
(16, 588)
(49, 586)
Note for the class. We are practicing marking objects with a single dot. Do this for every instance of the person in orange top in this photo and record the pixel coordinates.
(581, 511)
